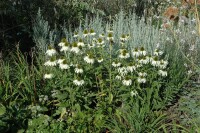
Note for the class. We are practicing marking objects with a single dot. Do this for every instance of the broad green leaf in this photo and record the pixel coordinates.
(2, 109)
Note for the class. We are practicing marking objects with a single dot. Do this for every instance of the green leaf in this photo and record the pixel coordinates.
(110, 98)
(2, 109)
(1, 90)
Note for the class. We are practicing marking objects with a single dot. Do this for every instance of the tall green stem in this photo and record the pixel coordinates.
(110, 73)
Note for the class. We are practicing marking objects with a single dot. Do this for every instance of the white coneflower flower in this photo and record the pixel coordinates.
(78, 82)
(102, 35)
(75, 48)
(60, 60)
(85, 33)
(64, 65)
(92, 33)
(99, 60)
(92, 45)
(48, 76)
(94, 40)
(127, 82)
(110, 31)
(51, 51)
(124, 54)
(118, 77)
(143, 60)
(136, 52)
(155, 61)
(75, 34)
(141, 80)
(131, 68)
(142, 51)
(100, 41)
(51, 62)
(127, 36)
(122, 71)
(78, 69)
(162, 73)
(163, 64)
(138, 65)
(123, 38)
(65, 47)
(116, 64)
(157, 52)
(142, 74)
(80, 43)
(72, 65)
(61, 44)
(89, 59)
(110, 37)
(134, 93)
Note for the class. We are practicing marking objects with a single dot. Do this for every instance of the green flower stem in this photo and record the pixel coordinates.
(110, 73)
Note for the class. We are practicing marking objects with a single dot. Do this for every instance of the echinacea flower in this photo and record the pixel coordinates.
(122, 71)
(65, 47)
(155, 61)
(136, 52)
(80, 43)
(89, 59)
(134, 93)
(78, 69)
(116, 64)
(124, 54)
(100, 59)
(123, 38)
(131, 67)
(75, 48)
(60, 60)
(142, 74)
(118, 77)
(143, 60)
(92, 45)
(48, 76)
(51, 62)
(157, 52)
(141, 80)
(92, 33)
(51, 51)
(100, 41)
(78, 82)
(61, 44)
(162, 73)
(85, 33)
(75, 34)
(64, 65)
(142, 51)
(127, 82)
(110, 37)
(110, 31)
(101, 35)
(163, 64)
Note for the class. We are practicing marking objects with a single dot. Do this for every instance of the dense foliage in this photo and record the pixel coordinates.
(93, 68)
